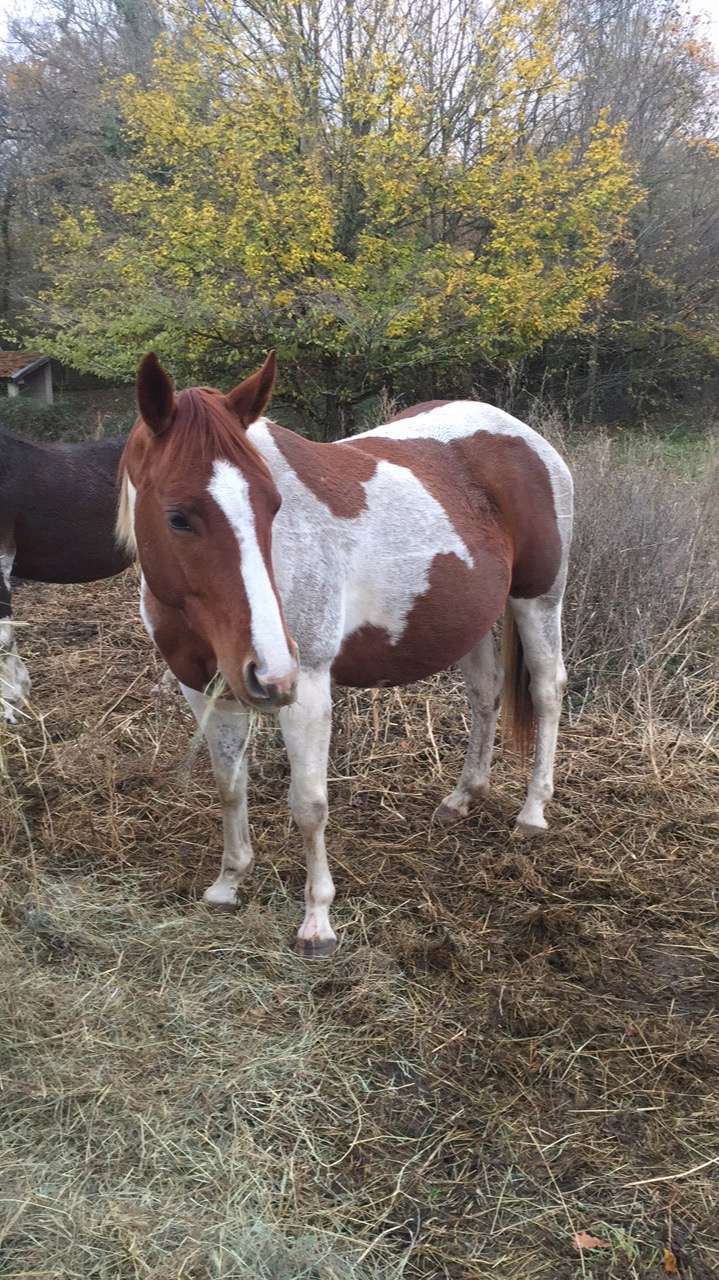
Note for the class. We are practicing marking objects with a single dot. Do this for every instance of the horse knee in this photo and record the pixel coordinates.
(7, 637)
(230, 793)
(485, 706)
(546, 698)
(547, 688)
(229, 770)
(309, 807)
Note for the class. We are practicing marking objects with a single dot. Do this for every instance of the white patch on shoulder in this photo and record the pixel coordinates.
(231, 492)
(398, 535)
(336, 574)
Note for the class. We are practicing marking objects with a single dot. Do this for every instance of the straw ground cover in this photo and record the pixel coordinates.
(515, 1044)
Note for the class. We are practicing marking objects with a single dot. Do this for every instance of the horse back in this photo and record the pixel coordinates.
(492, 469)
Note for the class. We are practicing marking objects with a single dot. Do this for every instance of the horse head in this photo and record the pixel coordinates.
(199, 506)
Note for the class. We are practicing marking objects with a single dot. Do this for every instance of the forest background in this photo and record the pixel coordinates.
(408, 198)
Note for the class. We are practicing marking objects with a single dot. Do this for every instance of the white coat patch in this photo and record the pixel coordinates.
(397, 536)
(336, 574)
(461, 418)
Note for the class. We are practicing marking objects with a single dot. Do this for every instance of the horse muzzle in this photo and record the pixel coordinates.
(268, 692)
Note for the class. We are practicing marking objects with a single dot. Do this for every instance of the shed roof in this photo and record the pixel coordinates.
(14, 362)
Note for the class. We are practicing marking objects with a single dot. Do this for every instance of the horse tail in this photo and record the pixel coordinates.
(518, 718)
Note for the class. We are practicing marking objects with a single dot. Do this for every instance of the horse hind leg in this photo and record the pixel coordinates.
(483, 679)
(14, 677)
(539, 623)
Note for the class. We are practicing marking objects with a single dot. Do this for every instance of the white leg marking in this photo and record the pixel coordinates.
(306, 728)
(14, 677)
(166, 684)
(539, 623)
(226, 728)
(483, 677)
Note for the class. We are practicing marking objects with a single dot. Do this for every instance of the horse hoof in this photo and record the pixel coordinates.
(528, 830)
(219, 900)
(445, 814)
(315, 948)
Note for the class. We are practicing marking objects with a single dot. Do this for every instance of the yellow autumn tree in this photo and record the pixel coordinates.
(346, 184)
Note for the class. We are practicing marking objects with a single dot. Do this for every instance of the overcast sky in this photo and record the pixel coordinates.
(710, 8)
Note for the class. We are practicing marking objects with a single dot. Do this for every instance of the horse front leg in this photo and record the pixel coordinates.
(225, 726)
(306, 728)
(14, 677)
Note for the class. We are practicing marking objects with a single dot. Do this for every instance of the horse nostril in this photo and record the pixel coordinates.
(255, 687)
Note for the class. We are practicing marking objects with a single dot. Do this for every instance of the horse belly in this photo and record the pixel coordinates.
(458, 608)
(69, 562)
(73, 545)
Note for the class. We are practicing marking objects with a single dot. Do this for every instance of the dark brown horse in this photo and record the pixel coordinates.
(57, 515)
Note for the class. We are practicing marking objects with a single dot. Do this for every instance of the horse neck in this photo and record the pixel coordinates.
(318, 488)
(301, 467)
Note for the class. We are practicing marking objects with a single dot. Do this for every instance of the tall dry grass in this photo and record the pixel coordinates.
(642, 607)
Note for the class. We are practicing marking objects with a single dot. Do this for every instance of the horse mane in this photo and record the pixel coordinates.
(203, 428)
(124, 521)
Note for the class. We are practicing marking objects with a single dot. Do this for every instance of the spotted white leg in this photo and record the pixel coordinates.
(540, 626)
(483, 678)
(306, 728)
(14, 677)
(226, 727)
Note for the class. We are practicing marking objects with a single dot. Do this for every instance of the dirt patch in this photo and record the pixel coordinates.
(510, 1038)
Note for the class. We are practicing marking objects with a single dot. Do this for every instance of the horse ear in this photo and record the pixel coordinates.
(155, 394)
(251, 397)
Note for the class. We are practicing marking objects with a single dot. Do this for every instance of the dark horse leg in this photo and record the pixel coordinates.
(14, 678)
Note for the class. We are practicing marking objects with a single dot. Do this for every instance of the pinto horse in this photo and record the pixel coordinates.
(284, 565)
(58, 505)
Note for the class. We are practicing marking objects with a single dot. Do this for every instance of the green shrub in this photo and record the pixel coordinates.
(70, 418)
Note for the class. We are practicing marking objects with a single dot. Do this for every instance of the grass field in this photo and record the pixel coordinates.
(516, 1042)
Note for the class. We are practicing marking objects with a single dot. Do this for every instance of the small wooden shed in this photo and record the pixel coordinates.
(27, 373)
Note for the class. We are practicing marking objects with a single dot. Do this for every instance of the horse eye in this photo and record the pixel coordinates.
(179, 522)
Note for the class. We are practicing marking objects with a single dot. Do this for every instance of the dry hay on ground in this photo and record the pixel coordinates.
(511, 1038)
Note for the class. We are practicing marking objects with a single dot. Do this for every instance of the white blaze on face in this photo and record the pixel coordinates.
(231, 492)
